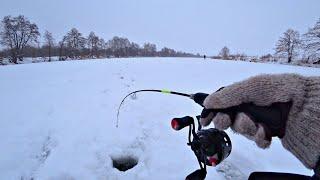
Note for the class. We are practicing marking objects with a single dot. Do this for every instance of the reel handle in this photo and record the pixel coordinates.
(180, 123)
(199, 174)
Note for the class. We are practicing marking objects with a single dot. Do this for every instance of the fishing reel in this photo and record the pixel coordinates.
(210, 146)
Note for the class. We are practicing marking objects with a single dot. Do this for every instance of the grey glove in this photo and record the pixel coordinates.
(301, 115)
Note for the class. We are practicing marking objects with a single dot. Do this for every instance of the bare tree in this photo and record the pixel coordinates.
(288, 45)
(93, 44)
(266, 58)
(119, 47)
(74, 42)
(149, 49)
(134, 49)
(2, 54)
(101, 48)
(167, 52)
(16, 33)
(49, 42)
(240, 56)
(312, 42)
(224, 53)
(61, 49)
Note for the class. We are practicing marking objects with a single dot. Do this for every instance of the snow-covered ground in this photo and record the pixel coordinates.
(57, 120)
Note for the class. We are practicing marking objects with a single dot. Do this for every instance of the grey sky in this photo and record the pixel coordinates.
(204, 26)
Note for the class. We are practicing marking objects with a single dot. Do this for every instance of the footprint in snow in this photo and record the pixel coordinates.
(230, 171)
(48, 145)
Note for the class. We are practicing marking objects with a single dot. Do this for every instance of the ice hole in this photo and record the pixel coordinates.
(124, 163)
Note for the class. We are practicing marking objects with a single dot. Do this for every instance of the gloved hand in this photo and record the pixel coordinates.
(296, 98)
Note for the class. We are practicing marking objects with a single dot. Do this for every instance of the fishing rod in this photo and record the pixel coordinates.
(164, 91)
(211, 146)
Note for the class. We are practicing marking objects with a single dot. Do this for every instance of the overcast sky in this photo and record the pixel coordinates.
(204, 26)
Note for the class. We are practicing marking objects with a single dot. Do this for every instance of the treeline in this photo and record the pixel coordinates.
(290, 48)
(20, 38)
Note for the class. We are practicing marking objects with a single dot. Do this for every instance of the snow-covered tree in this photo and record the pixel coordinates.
(312, 42)
(288, 45)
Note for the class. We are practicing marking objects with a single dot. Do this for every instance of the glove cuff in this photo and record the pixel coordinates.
(302, 134)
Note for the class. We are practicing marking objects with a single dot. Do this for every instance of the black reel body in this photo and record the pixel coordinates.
(211, 146)
(216, 145)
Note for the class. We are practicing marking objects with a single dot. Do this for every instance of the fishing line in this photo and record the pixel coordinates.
(164, 91)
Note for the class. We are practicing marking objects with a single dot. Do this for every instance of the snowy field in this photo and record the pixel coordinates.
(58, 119)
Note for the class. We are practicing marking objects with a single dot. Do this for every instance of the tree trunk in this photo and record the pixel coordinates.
(13, 58)
(49, 53)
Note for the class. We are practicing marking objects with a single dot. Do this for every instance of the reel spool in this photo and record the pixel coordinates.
(216, 145)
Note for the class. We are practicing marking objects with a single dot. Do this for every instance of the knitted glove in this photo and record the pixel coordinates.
(295, 96)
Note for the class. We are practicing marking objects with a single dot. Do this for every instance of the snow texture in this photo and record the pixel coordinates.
(58, 119)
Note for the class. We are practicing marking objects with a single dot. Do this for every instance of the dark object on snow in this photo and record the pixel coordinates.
(316, 62)
(124, 163)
